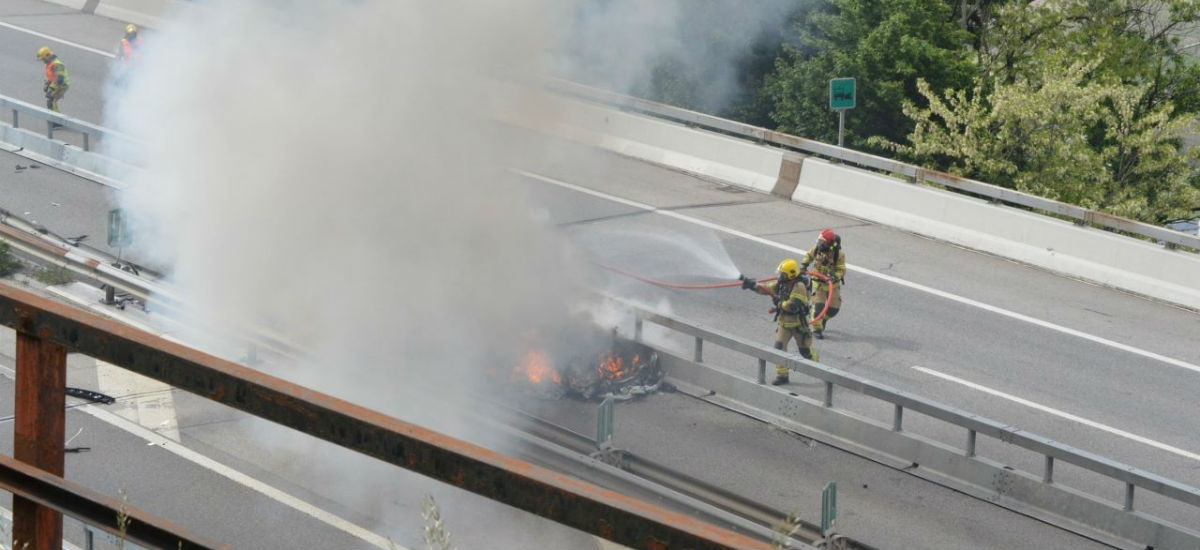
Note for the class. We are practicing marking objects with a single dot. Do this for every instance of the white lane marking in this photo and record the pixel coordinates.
(1061, 414)
(56, 39)
(915, 286)
(155, 439)
(154, 403)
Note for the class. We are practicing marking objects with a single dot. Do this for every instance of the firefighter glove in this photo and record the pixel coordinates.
(747, 282)
(772, 310)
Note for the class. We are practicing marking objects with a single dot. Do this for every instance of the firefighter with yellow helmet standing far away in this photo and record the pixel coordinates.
(828, 259)
(57, 80)
(131, 45)
(790, 295)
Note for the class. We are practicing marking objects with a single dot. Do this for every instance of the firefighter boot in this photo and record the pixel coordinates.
(781, 377)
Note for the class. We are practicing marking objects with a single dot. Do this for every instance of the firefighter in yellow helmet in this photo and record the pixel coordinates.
(828, 259)
(131, 45)
(791, 308)
(57, 81)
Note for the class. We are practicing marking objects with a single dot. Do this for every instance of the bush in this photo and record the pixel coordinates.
(8, 263)
(55, 275)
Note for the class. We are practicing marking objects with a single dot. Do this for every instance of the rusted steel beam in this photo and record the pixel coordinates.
(64, 497)
(39, 426)
(526, 486)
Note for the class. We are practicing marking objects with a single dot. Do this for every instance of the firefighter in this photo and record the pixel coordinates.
(828, 259)
(57, 80)
(131, 45)
(790, 296)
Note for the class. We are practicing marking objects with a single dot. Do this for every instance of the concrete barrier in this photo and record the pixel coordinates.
(1054, 244)
(1093, 254)
(149, 13)
(707, 154)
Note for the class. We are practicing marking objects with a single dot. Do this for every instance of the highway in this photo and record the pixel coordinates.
(1105, 371)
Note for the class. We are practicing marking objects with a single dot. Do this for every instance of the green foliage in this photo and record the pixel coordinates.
(8, 264)
(54, 275)
(886, 45)
(1079, 102)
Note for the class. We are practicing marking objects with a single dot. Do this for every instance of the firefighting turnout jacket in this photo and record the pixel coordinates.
(792, 301)
(831, 262)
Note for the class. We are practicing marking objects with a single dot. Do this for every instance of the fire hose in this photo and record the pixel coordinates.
(711, 286)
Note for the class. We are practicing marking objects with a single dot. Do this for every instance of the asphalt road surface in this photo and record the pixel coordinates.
(1092, 367)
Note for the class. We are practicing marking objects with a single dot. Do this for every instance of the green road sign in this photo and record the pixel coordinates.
(118, 230)
(841, 93)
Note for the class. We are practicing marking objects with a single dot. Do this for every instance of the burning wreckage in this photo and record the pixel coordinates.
(619, 368)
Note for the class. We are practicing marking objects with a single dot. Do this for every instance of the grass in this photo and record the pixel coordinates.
(8, 263)
(436, 537)
(54, 275)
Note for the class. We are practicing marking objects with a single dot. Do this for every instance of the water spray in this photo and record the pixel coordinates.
(713, 286)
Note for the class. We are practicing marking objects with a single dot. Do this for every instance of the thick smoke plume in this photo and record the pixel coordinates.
(327, 169)
(324, 167)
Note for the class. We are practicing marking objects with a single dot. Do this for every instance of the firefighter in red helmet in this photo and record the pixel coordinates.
(827, 258)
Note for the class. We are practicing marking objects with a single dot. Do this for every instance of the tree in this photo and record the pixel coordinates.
(1077, 100)
(1033, 135)
(886, 45)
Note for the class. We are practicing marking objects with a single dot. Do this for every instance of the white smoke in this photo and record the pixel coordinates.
(629, 45)
(324, 167)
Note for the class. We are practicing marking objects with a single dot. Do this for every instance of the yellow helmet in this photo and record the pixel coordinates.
(790, 268)
(44, 52)
(131, 29)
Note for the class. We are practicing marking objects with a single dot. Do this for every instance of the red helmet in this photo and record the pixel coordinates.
(828, 236)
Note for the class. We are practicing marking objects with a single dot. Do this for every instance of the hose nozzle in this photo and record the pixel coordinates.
(748, 283)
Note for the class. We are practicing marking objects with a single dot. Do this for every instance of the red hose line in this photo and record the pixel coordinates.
(711, 286)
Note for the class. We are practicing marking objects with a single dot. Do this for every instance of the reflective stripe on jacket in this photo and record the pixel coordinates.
(129, 51)
(793, 309)
(831, 262)
(57, 66)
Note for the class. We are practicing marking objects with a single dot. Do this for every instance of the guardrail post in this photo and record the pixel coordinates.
(49, 130)
(16, 118)
(637, 327)
(762, 371)
(699, 355)
(898, 418)
(970, 443)
(39, 428)
(1048, 471)
(1128, 497)
(87, 144)
(828, 394)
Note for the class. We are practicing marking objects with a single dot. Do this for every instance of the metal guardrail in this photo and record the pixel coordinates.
(764, 136)
(47, 331)
(58, 121)
(974, 425)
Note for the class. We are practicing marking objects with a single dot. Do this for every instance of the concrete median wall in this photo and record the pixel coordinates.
(702, 153)
(1088, 253)
(149, 13)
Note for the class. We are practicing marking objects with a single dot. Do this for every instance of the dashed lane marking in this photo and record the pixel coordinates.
(909, 284)
(1060, 414)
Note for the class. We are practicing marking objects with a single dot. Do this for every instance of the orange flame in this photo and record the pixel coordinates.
(613, 366)
(537, 368)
